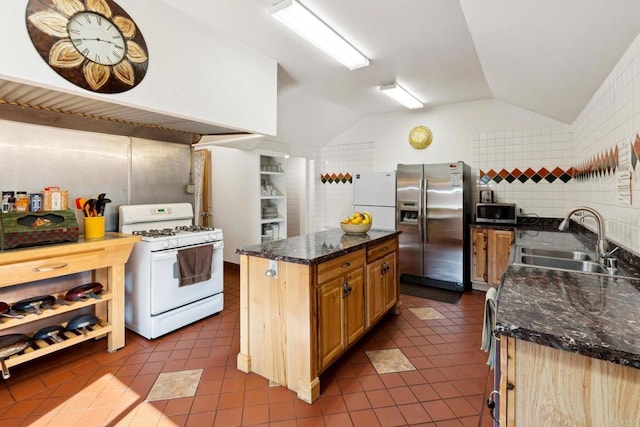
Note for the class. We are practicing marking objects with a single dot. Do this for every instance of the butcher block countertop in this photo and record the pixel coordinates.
(315, 248)
(595, 315)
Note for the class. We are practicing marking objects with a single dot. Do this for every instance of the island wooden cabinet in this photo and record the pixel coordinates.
(382, 283)
(545, 386)
(340, 305)
(490, 251)
(296, 319)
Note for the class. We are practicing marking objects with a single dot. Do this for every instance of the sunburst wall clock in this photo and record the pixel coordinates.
(94, 44)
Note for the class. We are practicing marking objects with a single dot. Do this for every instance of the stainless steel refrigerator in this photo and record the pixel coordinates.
(433, 211)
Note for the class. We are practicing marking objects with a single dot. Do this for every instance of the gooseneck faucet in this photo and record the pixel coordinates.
(601, 245)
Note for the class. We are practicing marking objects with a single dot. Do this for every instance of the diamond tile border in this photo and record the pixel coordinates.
(528, 174)
(603, 164)
(333, 178)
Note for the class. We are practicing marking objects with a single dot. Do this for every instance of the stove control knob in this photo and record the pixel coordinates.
(165, 244)
(174, 243)
(207, 238)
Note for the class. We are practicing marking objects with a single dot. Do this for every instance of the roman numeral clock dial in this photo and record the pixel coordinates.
(97, 39)
(93, 44)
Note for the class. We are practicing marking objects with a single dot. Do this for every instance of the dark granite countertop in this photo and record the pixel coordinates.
(591, 314)
(315, 248)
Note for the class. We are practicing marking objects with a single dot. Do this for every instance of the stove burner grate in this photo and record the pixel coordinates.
(155, 233)
(193, 228)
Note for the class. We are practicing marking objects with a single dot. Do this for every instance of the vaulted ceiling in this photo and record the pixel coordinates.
(546, 56)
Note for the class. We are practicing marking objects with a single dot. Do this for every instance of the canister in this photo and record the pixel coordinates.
(22, 202)
(35, 202)
(54, 199)
(7, 201)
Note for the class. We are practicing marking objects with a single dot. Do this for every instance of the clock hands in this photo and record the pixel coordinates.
(98, 39)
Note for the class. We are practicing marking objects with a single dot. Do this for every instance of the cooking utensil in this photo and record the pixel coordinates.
(50, 332)
(101, 204)
(34, 303)
(5, 311)
(81, 322)
(88, 290)
(10, 345)
(89, 207)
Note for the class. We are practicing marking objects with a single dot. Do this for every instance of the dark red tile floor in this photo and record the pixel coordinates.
(86, 386)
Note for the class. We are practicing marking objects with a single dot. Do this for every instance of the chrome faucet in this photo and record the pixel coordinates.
(601, 244)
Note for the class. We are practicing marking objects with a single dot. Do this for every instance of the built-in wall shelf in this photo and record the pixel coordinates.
(273, 199)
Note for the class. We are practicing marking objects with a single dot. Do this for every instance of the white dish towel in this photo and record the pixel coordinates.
(489, 325)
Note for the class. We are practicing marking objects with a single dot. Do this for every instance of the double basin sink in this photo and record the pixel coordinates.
(569, 260)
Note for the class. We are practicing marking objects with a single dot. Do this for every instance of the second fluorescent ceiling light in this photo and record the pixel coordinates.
(304, 22)
(401, 95)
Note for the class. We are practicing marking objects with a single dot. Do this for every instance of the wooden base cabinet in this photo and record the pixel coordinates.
(298, 319)
(382, 282)
(490, 251)
(544, 386)
(341, 310)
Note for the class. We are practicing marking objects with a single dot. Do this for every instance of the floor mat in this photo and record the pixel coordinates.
(430, 292)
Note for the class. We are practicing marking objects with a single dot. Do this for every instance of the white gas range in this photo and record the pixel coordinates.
(174, 275)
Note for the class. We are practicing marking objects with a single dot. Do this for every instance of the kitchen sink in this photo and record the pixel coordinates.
(562, 264)
(555, 253)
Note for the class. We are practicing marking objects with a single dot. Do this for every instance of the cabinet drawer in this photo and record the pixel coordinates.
(381, 249)
(45, 268)
(339, 266)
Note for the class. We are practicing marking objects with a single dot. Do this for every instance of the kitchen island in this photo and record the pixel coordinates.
(569, 344)
(305, 300)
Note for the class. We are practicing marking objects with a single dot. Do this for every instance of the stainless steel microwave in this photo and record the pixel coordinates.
(496, 213)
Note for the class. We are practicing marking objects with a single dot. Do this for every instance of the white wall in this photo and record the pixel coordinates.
(453, 128)
(193, 71)
(611, 119)
(235, 202)
(379, 142)
(331, 202)
(297, 196)
(537, 149)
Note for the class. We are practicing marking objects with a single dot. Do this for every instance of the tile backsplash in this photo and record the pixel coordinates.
(600, 152)
(331, 200)
(529, 167)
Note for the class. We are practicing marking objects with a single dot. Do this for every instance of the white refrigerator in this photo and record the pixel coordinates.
(375, 192)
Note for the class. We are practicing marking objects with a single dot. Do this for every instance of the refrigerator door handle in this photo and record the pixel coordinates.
(424, 210)
(420, 215)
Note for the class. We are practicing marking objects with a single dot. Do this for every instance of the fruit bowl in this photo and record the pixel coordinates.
(355, 228)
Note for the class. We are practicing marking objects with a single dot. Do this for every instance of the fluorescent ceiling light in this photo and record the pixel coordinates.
(401, 95)
(304, 22)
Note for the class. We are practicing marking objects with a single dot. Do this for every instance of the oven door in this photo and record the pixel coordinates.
(167, 294)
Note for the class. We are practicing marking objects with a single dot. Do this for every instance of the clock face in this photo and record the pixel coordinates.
(97, 38)
(94, 44)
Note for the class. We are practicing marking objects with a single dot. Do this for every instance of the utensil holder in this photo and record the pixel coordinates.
(93, 227)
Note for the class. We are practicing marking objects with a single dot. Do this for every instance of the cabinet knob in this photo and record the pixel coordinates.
(346, 264)
(270, 273)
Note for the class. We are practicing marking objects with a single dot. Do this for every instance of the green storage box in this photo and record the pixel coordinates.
(24, 229)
